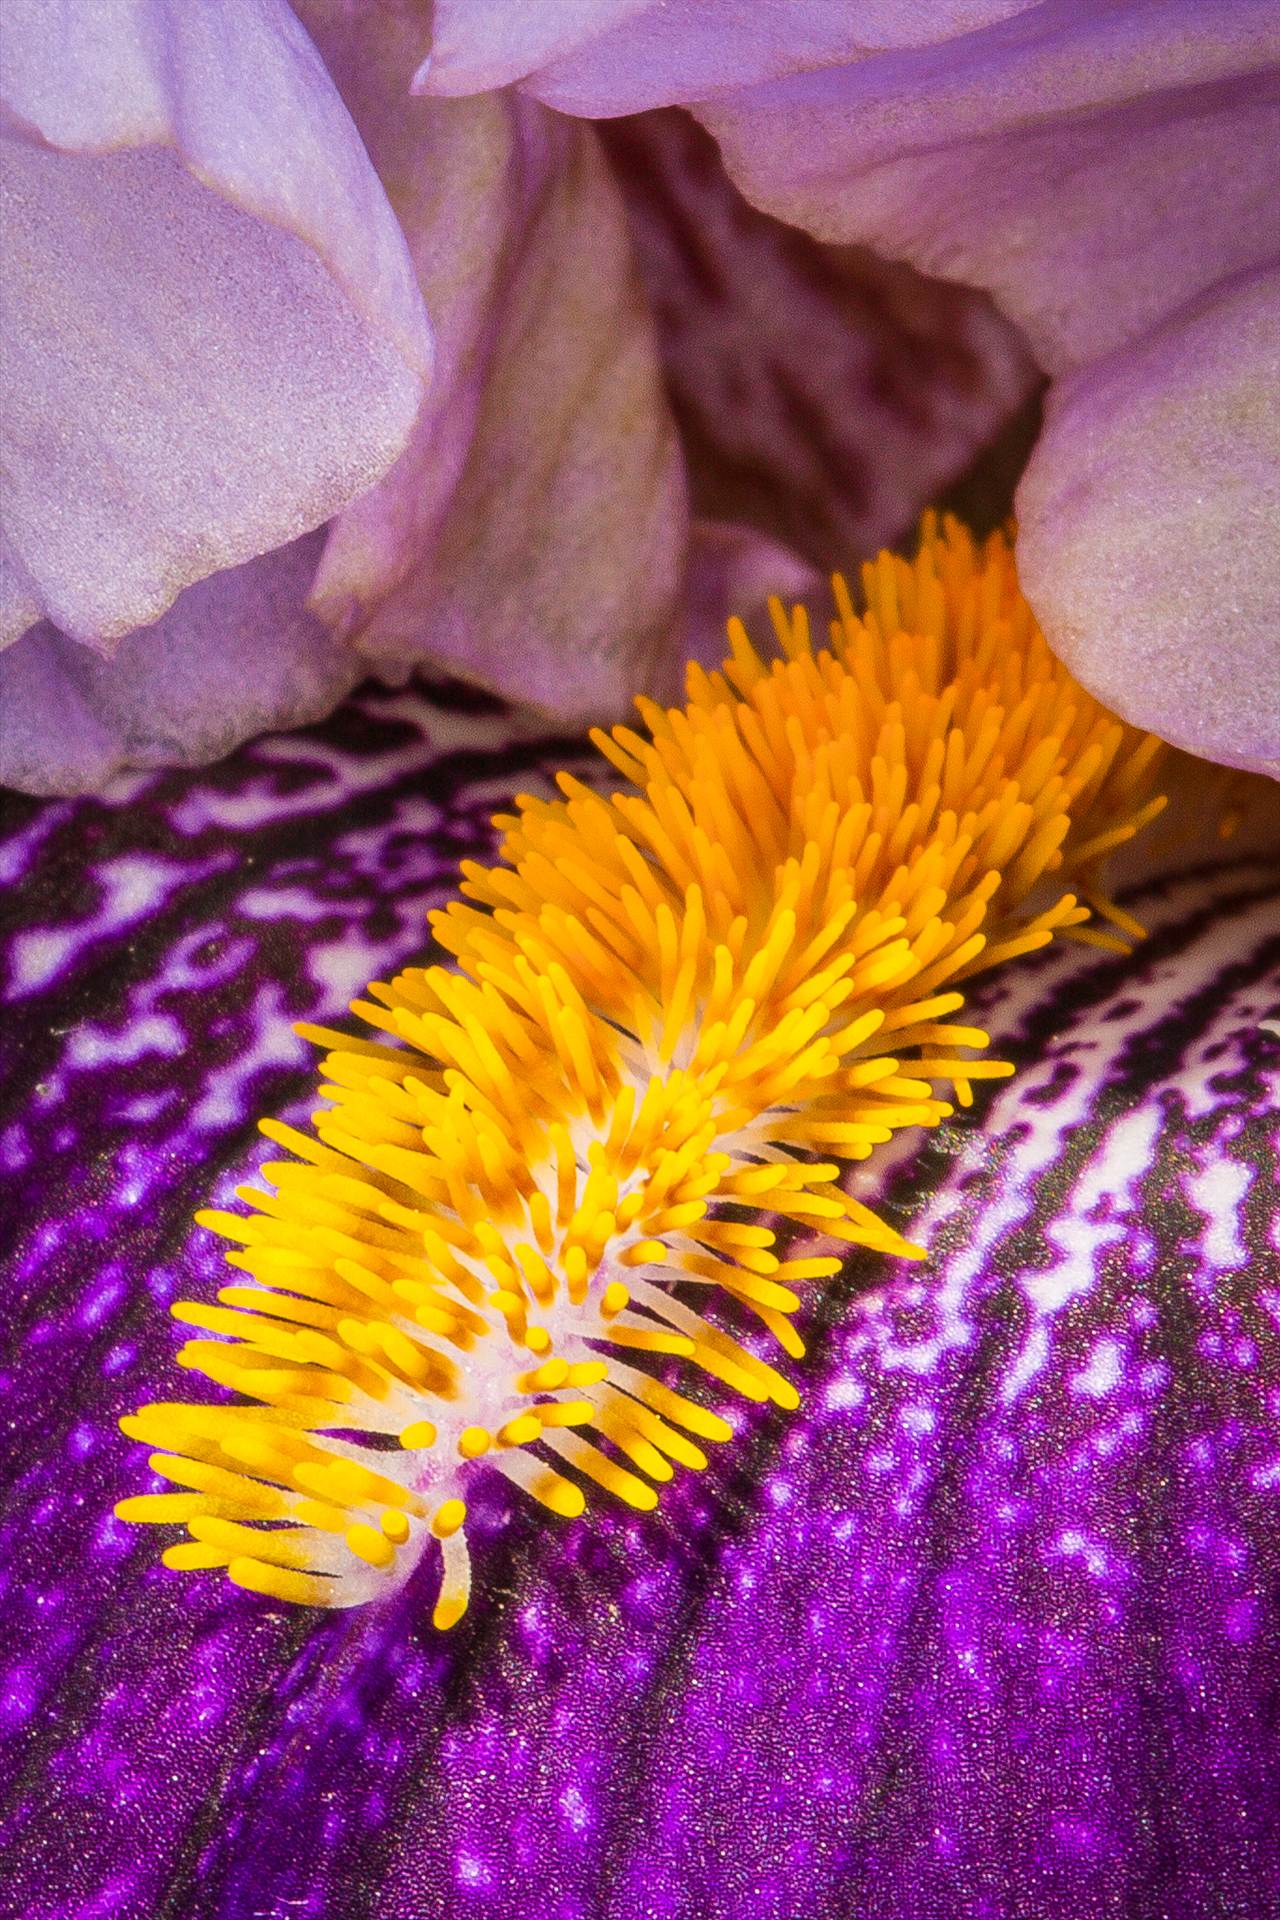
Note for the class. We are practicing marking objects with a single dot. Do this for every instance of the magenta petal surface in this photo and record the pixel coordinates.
(214, 335)
(1149, 527)
(988, 1627)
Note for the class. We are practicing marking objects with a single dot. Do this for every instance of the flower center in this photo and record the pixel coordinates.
(677, 1014)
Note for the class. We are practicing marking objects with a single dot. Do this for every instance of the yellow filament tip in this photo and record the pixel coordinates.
(448, 1517)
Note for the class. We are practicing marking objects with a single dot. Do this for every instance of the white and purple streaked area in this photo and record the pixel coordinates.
(988, 1627)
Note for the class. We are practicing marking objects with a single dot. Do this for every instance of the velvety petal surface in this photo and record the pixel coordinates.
(823, 396)
(1107, 173)
(475, 47)
(532, 535)
(236, 654)
(619, 56)
(989, 1627)
(1092, 166)
(1149, 526)
(214, 334)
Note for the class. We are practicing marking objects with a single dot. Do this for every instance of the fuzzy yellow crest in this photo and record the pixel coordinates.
(675, 1014)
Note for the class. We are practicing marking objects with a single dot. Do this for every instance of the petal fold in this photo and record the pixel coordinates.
(1107, 174)
(215, 335)
(620, 56)
(236, 654)
(477, 47)
(824, 397)
(1093, 167)
(531, 537)
(1149, 527)
(732, 570)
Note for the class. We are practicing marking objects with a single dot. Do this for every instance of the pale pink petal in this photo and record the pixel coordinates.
(1149, 527)
(1098, 168)
(531, 537)
(477, 46)
(214, 334)
(823, 396)
(620, 56)
(234, 655)
(1092, 166)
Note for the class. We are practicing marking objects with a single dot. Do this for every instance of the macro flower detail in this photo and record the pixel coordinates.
(1107, 173)
(677, 1014)
(710, 1396)
(345, 380)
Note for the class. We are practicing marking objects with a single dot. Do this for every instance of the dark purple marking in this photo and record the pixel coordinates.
(988, 1628)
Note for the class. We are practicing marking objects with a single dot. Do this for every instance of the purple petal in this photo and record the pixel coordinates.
(620, 56)
(476, 47)
(822, 395)
(1148, 527)
(531, 536)
(215, 335)
(1098, 170)
(988, 1627)
(236, 654)
(731, 570)
(1093, 167)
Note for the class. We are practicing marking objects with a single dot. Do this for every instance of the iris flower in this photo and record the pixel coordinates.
(318, 374)
(339, 376)
(340, 380)
(1107, 171)
(987, 1623)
